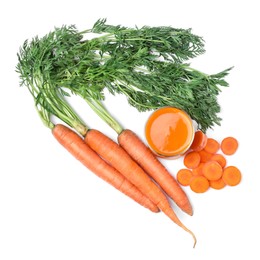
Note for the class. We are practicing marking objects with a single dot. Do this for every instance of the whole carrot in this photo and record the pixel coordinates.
(149, 162)
(81, 151)
(121, 160)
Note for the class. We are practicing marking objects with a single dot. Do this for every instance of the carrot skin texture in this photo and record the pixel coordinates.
(121, 160)
(134, 146)
(82, 152)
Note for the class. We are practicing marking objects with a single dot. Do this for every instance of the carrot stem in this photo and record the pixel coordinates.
(103, 113)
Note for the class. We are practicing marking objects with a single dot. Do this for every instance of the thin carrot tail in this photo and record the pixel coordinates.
(135, 147)
(81, 151)
(167, 210)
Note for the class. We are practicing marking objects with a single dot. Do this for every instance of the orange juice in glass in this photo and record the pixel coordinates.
(169, 132)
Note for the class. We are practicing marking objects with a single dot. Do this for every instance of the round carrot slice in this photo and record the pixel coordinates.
(212, 171)
(232, 176)
(199, 184)
(212, 146)
(191, 160)
(229, 145)
(184, 176)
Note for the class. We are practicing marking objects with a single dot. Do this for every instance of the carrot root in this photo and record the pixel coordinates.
(170, 213)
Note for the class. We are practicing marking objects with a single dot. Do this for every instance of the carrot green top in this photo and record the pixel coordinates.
(34, 68)
(145, 64)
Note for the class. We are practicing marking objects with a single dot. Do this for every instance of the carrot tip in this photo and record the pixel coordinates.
(194, 238)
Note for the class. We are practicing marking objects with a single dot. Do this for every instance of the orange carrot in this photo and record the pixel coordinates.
(134, 146)
(212, 146)
(229, 145)
(199, 141)
(199, 184)
(120, 159)
(217, 184)
(220, 159)
(204, 156)
(191, 160)
(231, 176)
(81, 151)
(184, 176)
(212, 171)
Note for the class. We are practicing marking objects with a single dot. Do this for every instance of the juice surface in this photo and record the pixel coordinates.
(169, 131)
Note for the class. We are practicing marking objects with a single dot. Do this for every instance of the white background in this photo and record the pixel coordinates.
(51, 207)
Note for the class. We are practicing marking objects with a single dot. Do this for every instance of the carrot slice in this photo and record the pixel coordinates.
(199, 141)
(191, 160)
(229, 145)
(232, 176)
(212, 171)
(199, 184)
(220, 159)
(217, 184)
(212, 146)
(184, 176)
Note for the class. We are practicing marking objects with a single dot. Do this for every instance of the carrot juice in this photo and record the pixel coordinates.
(169, 132)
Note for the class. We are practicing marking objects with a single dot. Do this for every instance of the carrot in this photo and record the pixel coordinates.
(199, 141)
(184, 176)
(217, 184)
(231, 176)
(198, 171)
(191, 160)
(229, 145)
(81, 151)
(199, 184)
(220, 159)
(204, 156)
(212, 146)
(134, 146)
(120, 160)
(212, 171)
